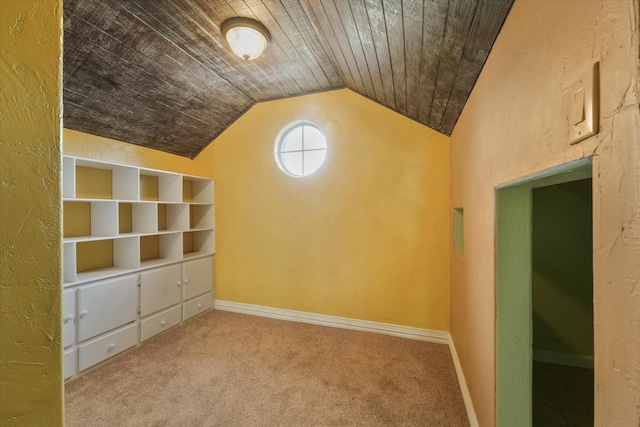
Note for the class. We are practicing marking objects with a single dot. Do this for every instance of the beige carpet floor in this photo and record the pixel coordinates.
(228, 369)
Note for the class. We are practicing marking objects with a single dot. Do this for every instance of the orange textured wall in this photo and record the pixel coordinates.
(515, 124)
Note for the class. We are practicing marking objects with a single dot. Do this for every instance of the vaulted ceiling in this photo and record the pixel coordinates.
(160, 74)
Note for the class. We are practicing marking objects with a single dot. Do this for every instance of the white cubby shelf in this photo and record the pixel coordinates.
(120, 219)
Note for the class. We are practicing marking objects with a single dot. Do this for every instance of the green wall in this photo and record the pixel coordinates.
(562, 278)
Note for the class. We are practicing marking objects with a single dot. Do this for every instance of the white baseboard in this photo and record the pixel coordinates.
(335, 322)
(575, 360)
(466, 396)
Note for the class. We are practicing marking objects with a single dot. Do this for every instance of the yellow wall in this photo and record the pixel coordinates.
(30, 223)
(109, 150)
(365, 237)
(515, 124)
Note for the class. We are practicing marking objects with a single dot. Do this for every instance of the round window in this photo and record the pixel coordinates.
(301, 149)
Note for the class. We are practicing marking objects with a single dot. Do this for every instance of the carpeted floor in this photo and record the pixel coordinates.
(228, 369)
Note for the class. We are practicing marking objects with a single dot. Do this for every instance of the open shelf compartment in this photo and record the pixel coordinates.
(98, 180)
(160, 186)
(97, 259)
(197, 190)
(200, 217)
(137, 218)
(173, 217)
(160, 248)
(198, 243)
(89, 219)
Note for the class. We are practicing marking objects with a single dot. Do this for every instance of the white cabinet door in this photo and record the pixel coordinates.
(197, 277)
(106, 305)
(159, 289)
(69, 317)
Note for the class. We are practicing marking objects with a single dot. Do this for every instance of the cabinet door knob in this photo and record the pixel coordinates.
(179, 283)
(83, 314)
(199, 306)
(112, 346)
(68, 318)
(164, 322)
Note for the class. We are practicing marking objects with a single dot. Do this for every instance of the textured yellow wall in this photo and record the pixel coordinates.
(109, 150)
(30, 223)
(365, 237)
(515, 124)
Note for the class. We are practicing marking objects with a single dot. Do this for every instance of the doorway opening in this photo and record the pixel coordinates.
(562, 297)
(544, 300)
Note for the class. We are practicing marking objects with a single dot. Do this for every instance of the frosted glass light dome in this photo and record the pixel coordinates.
(247, 38)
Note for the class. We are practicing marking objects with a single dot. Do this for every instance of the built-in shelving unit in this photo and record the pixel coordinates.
(119, 218)
(138, 256)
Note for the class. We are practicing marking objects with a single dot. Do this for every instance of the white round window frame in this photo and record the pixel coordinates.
(280, 140)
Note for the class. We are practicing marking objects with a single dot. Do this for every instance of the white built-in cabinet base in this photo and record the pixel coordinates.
(155, 235)
(111, 316)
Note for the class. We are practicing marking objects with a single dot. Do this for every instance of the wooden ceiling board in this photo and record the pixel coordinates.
(141, 85)
(432, 39)
(413, 22)
(488, 18)
(423, 58)
(459, 18)
(160, 73)
(305, 42)
(392, 10)
(342, 15)
(200, 38)
(323, 29)
(378, 27)
(284, 72)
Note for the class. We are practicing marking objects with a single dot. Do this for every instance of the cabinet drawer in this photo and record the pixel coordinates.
(160, 322)
(103, 348)
(69, 363)
(160, 289)
(198, 277)
(106, 305)
(198, 305)
(68, 317)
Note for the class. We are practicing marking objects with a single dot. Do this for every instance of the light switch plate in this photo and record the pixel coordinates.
(584, 103)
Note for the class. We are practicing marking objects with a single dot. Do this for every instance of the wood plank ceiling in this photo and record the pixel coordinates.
(160, 74)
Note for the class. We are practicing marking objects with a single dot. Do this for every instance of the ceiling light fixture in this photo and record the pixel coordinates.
(247, 37)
